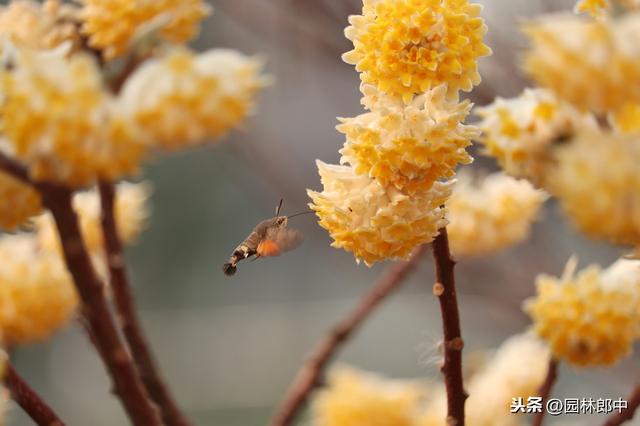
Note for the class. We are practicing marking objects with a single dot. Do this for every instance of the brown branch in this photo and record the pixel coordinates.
(633, 403)
(309, 376)
(545, 390)
(445, 290)
(13, 168)
(29, 400)
(127, 384)
(128, 318)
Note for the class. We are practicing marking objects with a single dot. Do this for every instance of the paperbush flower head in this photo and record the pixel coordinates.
(492, 214)
(372, 221)
(19, 202)
(59, 120)
(111, 25)
(597, 182)
(409, 147)
(183, 98)
(38, 25)
(588, 63)
(37, 296)
(594, 8)
(406, 47)
(355, 398)
(131, 214)
(587, 319)
(518, 132)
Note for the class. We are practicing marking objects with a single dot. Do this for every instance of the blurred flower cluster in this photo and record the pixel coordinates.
(355, 398)
(90, 91)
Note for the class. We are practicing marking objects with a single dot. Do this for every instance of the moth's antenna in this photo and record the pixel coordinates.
(279, 207)
(300, 214)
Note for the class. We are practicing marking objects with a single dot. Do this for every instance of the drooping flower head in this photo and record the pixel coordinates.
(37, 295)
(518, 132)
(492, 214)
(356, 398)
(406, 47)
(111, 25)
(374, 222)
(409, 147)
(591, 318)
(597, 181)
(183, 98)
(59, 120)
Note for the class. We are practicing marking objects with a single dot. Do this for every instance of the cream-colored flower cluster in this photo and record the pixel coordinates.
(72, 118)
(491, 214)
(37, 294)
(357, 398)
(414, 58)
(591, 318)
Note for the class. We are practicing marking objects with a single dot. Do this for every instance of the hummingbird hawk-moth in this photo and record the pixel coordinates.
(269, 238)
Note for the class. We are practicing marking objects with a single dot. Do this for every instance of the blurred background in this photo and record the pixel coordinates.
(229, 347)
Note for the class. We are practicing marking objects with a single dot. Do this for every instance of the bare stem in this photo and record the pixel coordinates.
(11, 167)
(445, 290)
(545, 390)
(129, 321)
(310, 375)
(127, 384)
(633, 402)
(29, 400)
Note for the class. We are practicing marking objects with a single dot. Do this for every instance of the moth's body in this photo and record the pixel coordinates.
(269, 238)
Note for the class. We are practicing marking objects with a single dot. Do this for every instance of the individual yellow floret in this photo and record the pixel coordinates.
(60, 121)
(518, 132)
(491, 214)
(112, 25)
(627, 118)
(406, 47)
(597, 181)
(356, 398)
(586, 319)
(131, 213)
(409, 147)
(183, 99)
(37, 295)
(374, 222)
(588, 63)
(18, 202)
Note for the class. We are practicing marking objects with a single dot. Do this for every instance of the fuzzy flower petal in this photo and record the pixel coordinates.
(406, 47)
(60, 121)
(37, 296)
(587, 319)
(597, 181)
(518, 132)
(409, 147)
(492, 214)
(111, 25)
(373, 222)
(183, 99)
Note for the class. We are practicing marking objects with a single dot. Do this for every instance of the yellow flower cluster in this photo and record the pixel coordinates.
(182, 98)
(595, 8)
(59, 120)
(356, 398)
(414, 57)
(37, 296)
(112, 25)
(353, 397)
(38, 25)
(19, 202)
(597, 182)
(131, 214)
(518, 132)
(406, 47)
(591, 318)
(492, 214)
(409, 147)
(588, 63)
(372, 221)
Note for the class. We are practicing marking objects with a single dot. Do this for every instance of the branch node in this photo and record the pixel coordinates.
(438, 289)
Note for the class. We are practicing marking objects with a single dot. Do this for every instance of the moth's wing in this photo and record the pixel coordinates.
(279, 241)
